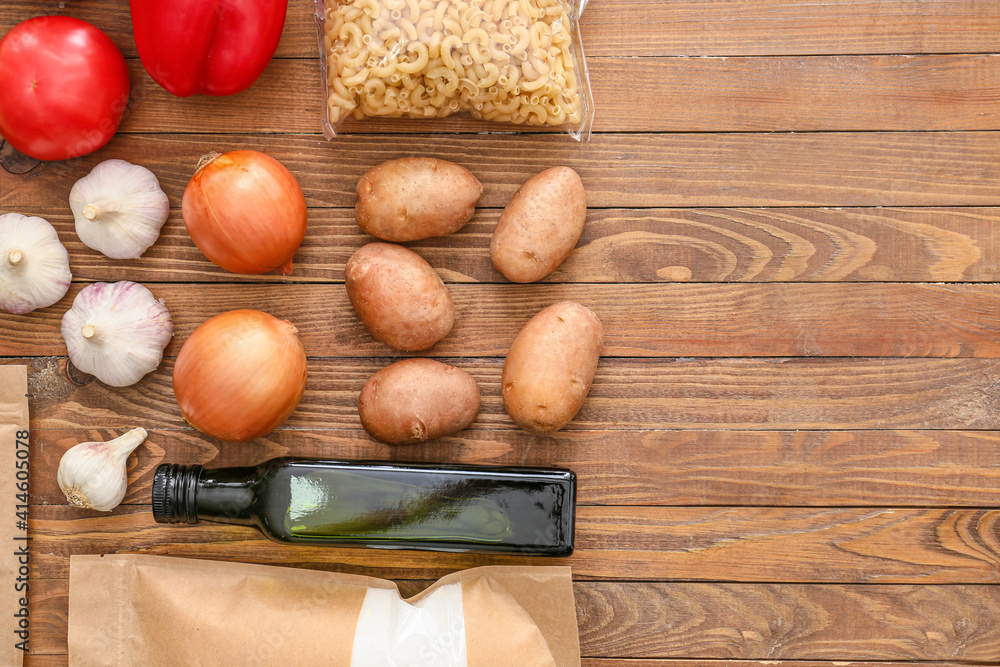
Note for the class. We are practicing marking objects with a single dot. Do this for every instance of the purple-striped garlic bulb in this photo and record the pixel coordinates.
(34, 264)
(117, 332)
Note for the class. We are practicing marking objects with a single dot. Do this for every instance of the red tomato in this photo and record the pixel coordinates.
(211, 47)
(63, 87)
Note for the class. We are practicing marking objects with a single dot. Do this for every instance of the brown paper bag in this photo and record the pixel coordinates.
(14, 542)
(151, 610)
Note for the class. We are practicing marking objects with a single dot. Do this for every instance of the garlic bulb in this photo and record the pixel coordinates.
(117, 332)
(92, 474)
(119, 209)
(34, 265)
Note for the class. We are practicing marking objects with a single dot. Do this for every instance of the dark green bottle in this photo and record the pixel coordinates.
(378, 504)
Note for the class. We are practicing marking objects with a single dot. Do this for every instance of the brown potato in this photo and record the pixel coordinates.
(550, 366)
(540, 226)
(398, 296)
(416, 400)
(416, 198)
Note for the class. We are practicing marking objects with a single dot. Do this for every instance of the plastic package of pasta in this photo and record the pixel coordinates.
(510, 61)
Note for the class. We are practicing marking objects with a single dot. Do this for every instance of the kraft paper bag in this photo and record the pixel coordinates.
(15, 555)
(152, 610)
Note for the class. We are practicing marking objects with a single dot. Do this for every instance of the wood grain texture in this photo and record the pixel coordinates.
(680, 27)
(62, 660)
(627, 395)
(790, 622)
(48, 660)
(620, 245)
(953, 92)
(819, 545)
(853, 501)
(796, 624)
(49, 614)
(773, 468)
(867, 320)
(618, 170)
(711, 662)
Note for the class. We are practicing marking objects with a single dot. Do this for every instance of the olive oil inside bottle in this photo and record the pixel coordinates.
(352, 506)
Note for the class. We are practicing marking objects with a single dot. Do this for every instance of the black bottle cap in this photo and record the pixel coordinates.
(175, 492)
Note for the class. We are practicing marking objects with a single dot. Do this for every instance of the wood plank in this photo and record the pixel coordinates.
(799, 545)
(48, 608)
(790, 622)
(682, 27)
(665, 245)
(771, 468)
(745, 621)
(629, 170)
(790, 27)
(61, 660)
(764, 320)
(726, 662)
(627, 395)
(52, 660)
(953, 92)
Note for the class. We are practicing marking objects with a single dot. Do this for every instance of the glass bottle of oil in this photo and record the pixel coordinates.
(378, 504)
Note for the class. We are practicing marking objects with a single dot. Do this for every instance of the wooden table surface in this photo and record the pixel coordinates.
(791, 451)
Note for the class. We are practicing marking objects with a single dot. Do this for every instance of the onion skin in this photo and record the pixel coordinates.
(240, 375)
(245, 212)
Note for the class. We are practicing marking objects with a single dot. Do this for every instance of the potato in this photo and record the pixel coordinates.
(416, 198)
(416, 400)
(398, 296)
(550, 366)
(540, 226)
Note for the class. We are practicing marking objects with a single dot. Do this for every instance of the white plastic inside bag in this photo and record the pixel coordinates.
(511, 61)
(394, 633)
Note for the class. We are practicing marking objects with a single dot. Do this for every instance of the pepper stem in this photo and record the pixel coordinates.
(15, 257)
(89, 331)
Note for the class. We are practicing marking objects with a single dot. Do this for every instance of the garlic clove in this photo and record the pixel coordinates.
(34, 264)
(119, 209)
(116, 332)
(94, 475)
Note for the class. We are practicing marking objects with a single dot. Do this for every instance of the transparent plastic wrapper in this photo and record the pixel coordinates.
(509, 61)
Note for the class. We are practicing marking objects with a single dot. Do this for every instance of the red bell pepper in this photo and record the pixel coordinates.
(211, 47)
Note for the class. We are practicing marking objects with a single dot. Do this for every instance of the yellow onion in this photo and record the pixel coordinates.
(245, 212)
(240, 375)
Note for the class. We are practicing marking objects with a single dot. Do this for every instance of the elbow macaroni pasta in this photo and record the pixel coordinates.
(502, 60)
